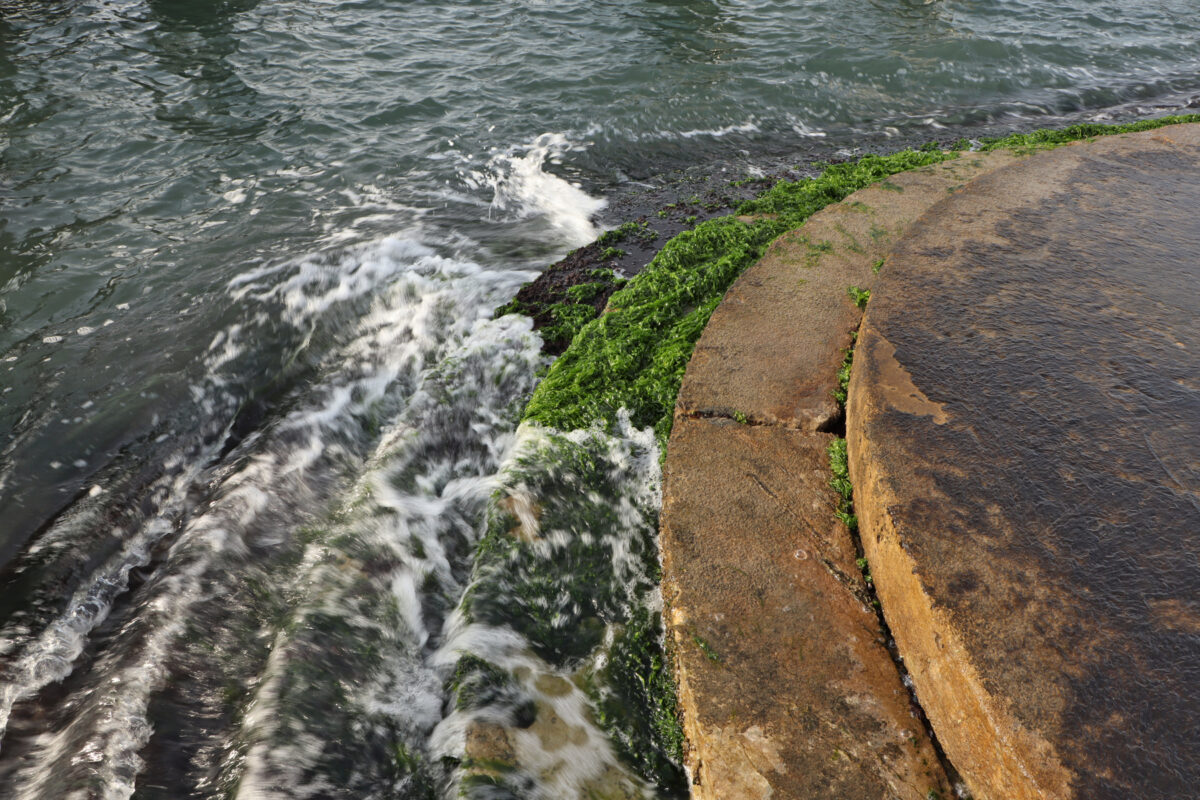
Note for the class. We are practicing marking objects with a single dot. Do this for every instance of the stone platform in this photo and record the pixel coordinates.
(1023, 426)
(787, 686)
(1024, 431)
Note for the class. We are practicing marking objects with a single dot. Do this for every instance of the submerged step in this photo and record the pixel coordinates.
(1023, 426)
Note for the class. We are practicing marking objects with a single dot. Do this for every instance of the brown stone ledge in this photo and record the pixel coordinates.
(787, 687)
(1023, 425)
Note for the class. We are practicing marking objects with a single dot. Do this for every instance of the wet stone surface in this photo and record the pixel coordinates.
(786, 686)
(773, 348)
(1025, 439)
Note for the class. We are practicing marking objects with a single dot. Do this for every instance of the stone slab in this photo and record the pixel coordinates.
(1024, 427)
(773, 347)
(788, 688)
(801, 672)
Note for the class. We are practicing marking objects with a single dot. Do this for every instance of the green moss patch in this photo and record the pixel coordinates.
(578, 582)
(633, 356)
(839, 466)
(635, 703)
(1048, 138)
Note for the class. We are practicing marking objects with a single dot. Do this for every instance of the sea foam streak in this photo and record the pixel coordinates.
(421, 307)
(522, 188)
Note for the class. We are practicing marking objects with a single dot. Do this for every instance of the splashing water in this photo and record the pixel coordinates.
(423, 354)
(348, 552)
(521, 188)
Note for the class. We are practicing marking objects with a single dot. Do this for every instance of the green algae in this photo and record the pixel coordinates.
(637, 675)
(815, 250)
(477, 683)
(858, 296)
(839, 467)
(575, 572)
(843, 388)
(579, 305)
(629, 230)
(633, 356)
(1049, 138)
(709, 651)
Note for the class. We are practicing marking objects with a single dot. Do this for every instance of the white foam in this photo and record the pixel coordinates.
(522, 188)
(563, 752)
(716, 133)
(384, 518)
(422, 307)
(804, 129)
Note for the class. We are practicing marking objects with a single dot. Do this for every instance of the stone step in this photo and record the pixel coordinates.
(1024, 432)
(787, 686)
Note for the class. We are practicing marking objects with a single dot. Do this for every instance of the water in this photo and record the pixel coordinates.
(254, 409)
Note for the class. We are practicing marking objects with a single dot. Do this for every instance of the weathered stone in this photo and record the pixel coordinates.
(792, 693)
(773, 347)
(787, 686)
(1024, 429)
(553, 731)
(488, 746)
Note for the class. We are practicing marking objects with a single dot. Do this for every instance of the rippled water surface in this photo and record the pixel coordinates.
(254, 409)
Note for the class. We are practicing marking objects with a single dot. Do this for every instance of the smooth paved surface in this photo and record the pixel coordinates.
(1024, 429)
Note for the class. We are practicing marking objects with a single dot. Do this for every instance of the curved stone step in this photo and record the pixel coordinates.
(786, 684)
(1024, 430)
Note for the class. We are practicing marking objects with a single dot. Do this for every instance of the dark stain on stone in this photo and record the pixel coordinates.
(963, 582)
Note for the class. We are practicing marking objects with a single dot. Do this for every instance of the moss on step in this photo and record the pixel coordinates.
(634, 355)
(575, 574)
(839, 466)
(637, 676)
(1048, 138)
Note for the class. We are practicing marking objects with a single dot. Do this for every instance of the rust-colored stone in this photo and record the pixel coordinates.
(1023, 426)
(787, 686)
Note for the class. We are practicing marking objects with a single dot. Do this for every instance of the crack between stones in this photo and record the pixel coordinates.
(953, 776)
(864, 591)
(832, 425)
(747, 421)
(874, 603)
(863, 594)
